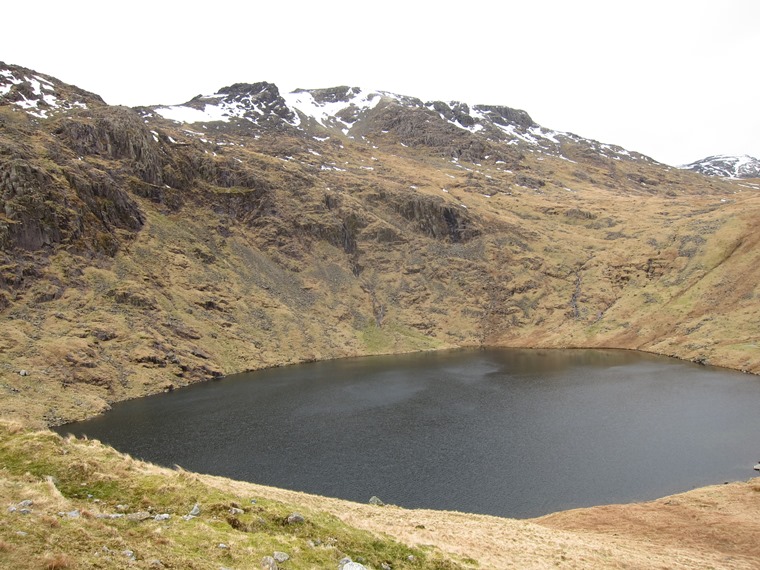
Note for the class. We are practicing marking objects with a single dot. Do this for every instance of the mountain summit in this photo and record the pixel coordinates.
(728, 166)
(462, 130)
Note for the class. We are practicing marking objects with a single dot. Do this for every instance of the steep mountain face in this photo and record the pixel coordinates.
(743, 166)
(145, 249)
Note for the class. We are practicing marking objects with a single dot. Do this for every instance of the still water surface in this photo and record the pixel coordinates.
(507, 432)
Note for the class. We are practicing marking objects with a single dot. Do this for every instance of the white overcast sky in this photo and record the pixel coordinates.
(677, 80)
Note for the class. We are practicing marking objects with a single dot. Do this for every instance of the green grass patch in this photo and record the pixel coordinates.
(65, 474)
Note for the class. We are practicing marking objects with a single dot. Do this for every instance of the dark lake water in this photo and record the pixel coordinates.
(515, 433)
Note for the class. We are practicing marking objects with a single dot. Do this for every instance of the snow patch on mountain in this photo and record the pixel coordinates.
(327, 112)
(184, 114)
(32, 93)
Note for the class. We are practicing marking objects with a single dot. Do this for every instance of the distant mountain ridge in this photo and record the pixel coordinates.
(727, 166)
(353, 111)
(349, 111)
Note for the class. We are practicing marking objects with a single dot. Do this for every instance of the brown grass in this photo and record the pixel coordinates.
(57, 562)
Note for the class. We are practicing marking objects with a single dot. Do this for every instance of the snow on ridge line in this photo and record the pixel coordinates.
(302, 102)
(342, 114)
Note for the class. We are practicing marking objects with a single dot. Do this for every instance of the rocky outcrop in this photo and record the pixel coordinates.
(455, 112)
(105, 199)
(261, 101)
(115, 133)
(44, 206)
(437, 219)
(501, 115)
(338, 94)
(420, 127)
(40, 95)
(34, 207)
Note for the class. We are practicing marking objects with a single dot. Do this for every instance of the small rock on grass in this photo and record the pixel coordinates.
(295, 518)
(281, 556)
(139, 516)
(348, 564)
(268, 563)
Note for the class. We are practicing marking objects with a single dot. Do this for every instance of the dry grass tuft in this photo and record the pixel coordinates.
(54, 491)
(12, 427)
(57, 562)
(51, 521)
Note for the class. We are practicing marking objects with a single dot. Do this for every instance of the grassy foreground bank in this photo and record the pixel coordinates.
(70, 504)
(78, 504)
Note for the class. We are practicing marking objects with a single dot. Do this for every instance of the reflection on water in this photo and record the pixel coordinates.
(508, 432)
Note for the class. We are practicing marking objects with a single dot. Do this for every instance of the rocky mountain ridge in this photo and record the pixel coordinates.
(353, 112)
(728, 166)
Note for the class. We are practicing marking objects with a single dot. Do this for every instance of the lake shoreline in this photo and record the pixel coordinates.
(452, 405)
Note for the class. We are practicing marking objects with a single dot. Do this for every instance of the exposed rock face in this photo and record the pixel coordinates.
(263, 98)
(456, 112)
(115, 133)
(435, 218)
(505, 116)
(34, 217)
(71, 202)
(341, 94)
